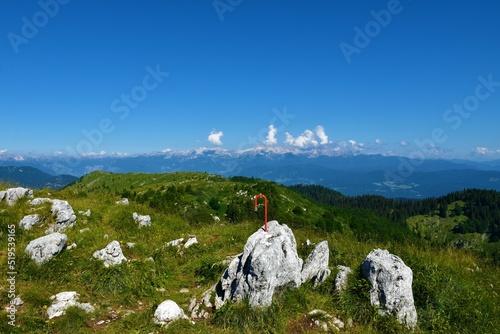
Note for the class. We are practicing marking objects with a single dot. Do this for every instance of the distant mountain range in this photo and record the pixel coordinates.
(32, 177)
(389, 176)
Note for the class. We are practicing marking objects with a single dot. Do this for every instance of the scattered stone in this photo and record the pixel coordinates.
(309, 243)
(73, 245)
(86, 229)
(191, 241)
(123, 201)
(63, 301)
(269, 261)
(29, 221)
(85, 213)
(316, 265)
(341, 278)
(111, 255)
(167, 312)
(12, 195)
(130, 244)
(16, 302)
(184, 290)
(196, 311)
(149, 259)
(39, 200)
(324, 320)
(391, 282)
(175, 242)
(142, 220)
(106, 236)
(43, 249)
(65, 216)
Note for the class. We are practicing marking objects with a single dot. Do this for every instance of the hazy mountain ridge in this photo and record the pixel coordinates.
(351, 174)
(33, 177)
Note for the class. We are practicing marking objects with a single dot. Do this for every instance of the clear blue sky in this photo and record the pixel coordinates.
(234, 65)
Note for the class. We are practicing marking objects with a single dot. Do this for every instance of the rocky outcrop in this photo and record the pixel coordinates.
(142, 220)
(61, 210)
(43, 249)
(12, 195)
(111, 255)
(29, 221)
(167, 312)
(316, 265)
(341, 278)
(269, 261)
(391, 289)
(63, 301)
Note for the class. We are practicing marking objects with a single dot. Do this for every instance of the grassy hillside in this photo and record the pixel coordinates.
(454, 290)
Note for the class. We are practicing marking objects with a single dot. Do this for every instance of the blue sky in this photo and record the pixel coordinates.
(391, 77)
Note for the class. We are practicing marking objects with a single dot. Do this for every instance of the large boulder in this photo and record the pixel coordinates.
(64, 300)
(316, 265)
(11, 195)
(167, 312)
(391, 289)
(43, 249)
(111, 255)
(29, 221)
(269, 261)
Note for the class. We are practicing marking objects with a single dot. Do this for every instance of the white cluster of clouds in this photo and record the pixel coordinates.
(308, 138)
(271, 136)
(215, 137)
(484, 151)
(3, 151)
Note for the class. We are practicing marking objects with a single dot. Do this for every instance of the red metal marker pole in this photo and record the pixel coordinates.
(256, 200)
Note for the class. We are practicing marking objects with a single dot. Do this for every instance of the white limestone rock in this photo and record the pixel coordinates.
(341, 278)
(391, 282)
(40, 200)
(174, 243)
(43, 249)
(316, 265)
(85, 213)
(12, 195)
(191, 241)
(29, 221)
(269, 261)
(63, 300)
(123, 201)
(142, 220)
(64, 214)
(111, 255)
(168, 312)
(326, 321)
